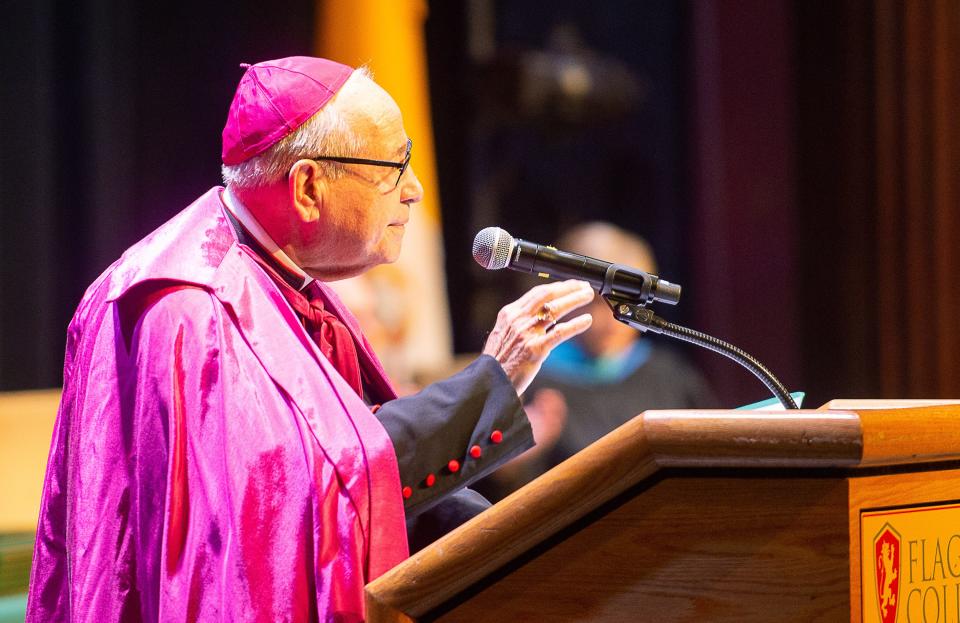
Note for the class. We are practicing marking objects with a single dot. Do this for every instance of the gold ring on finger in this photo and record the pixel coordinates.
(545, 316)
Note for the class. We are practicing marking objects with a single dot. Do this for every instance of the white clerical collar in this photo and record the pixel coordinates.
(250, 223)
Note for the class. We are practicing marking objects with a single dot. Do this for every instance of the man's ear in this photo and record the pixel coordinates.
(307, 188)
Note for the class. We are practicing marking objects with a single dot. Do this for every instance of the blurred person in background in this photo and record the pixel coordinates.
(604, 377)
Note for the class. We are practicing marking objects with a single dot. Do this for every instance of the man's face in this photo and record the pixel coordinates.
(365, 211)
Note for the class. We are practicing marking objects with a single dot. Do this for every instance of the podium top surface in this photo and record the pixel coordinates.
(874, 433)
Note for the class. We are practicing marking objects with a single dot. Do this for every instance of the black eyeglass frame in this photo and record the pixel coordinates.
(377, 163)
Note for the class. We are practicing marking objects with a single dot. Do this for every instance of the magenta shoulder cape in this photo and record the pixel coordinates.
(208, 463)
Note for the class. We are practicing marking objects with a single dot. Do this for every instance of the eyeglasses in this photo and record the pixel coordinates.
(377, 163)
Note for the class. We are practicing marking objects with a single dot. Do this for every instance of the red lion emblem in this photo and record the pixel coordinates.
(886, 559)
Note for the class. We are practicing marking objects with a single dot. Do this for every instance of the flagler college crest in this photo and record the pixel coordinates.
(886, 560)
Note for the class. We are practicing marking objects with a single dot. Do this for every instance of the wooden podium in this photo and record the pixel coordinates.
(714, 516)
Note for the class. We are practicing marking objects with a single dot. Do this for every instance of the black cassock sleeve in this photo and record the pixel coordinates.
(454, 432)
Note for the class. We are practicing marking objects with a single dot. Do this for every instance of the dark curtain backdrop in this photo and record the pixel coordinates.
(836, 116)
(110, 118)
(917, 88)
(879, 90)
(744, 217)
(826, 202)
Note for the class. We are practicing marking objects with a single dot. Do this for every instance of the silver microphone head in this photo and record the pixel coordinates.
(492, 247)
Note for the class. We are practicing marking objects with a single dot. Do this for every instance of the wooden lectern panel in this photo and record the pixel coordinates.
(723, 548)
(711, 516)
(907, 491)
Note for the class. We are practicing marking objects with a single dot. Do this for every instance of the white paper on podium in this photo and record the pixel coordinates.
(773, 404)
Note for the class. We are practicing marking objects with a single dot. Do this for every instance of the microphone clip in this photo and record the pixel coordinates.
(608, 291)
(633, 314)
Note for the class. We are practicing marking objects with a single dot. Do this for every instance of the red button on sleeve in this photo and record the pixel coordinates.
(453, 466)
(407, 492)
(496, 436)
(430, 480)
(475, 452)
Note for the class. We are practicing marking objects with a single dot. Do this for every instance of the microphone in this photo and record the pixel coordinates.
(494, 248)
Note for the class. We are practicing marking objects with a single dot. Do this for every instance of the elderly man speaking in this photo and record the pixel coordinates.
(228, 447)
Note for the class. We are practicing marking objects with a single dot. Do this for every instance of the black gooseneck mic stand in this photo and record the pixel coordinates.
(643, 319)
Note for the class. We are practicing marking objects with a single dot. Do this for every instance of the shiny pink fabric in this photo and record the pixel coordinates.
(274, 98)
(207, 462)
(331, 336)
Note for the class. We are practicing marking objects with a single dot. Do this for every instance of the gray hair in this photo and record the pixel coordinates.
(325, 133)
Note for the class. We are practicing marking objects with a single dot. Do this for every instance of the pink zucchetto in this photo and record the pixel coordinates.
(274, 98)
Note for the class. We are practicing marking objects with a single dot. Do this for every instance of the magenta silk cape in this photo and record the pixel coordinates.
(208, 463)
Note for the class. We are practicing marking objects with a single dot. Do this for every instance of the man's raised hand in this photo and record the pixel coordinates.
(528, 329)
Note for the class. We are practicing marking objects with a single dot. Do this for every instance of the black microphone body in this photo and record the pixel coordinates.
(614, 281)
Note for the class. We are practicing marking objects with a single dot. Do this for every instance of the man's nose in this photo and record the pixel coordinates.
(411, 190)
